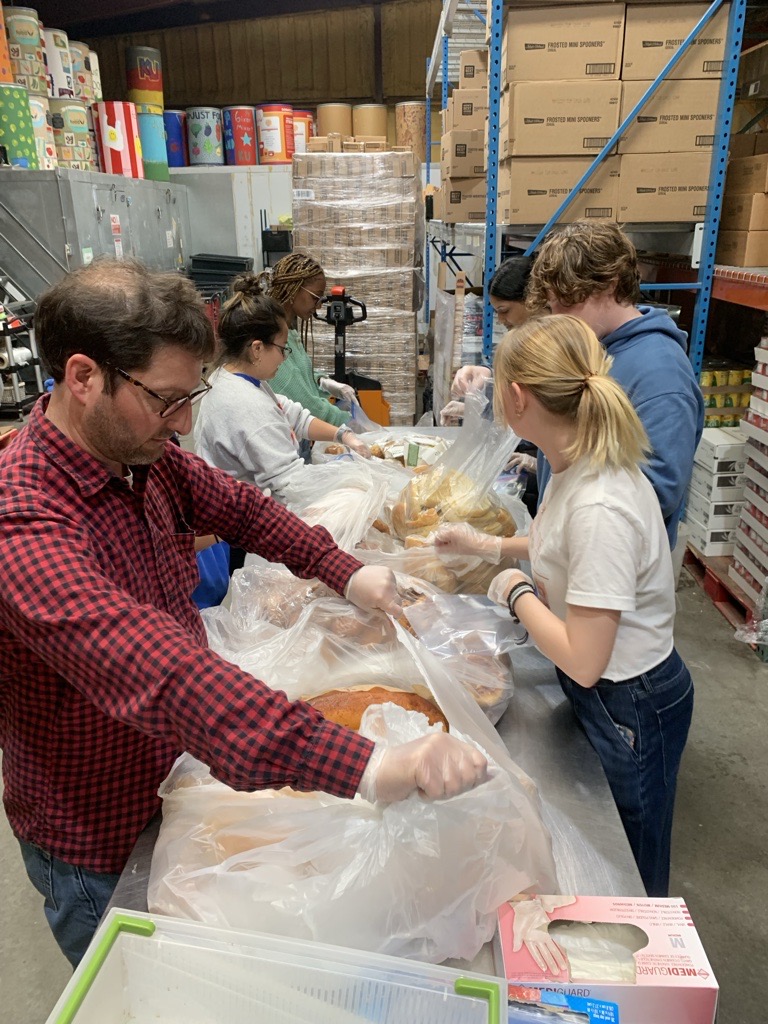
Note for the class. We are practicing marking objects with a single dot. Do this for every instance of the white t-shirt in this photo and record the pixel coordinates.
(598, 541)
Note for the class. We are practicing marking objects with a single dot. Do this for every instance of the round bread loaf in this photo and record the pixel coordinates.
(346, 707)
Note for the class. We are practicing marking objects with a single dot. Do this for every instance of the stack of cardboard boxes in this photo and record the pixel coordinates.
(743, 237)
(361, 216)
(461, 198)
(750, 565)
(716, 495)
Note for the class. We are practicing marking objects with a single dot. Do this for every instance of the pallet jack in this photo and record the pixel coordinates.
(342, 311)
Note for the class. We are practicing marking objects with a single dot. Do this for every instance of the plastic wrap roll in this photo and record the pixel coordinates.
(59, 63)
(334, 117)
(274, 122)
(152, 134)
(16, 132)
(369, 119)
(42, 126)
(144, 71)
(411, 127)
(95, 74)
(117, 134)
(176, 147)
(6, 73)
(81, 71)
(240, 141)
(204, 136)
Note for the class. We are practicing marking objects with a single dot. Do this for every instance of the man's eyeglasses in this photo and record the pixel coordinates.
(318, 298)
(170, 406)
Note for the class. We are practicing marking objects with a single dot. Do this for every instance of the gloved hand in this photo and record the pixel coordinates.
(435, 766)
(463, 539)
(503, 583)
(374, 587)
(469, 378)
(451, 413)
(340, 391)
(525, 462)
(350, 439)
(530, 926)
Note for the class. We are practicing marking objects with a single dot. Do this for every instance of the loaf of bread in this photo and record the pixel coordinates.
(346, 707)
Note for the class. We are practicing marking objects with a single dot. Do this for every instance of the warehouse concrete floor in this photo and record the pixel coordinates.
(719, 864)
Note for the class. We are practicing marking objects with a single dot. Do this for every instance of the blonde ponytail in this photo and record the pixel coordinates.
(563, 365)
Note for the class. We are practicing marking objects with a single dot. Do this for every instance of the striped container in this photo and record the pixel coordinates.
(144, 71)
(303, 129)
(117, 135)
(152, 135)
(81, 71)
(16, 132)
(176, 148)
(6, 72)
(274, 122)
(95, 75)
(71, 135)
(204, 136)
(59, 63)
(43, 131)
(240, 144)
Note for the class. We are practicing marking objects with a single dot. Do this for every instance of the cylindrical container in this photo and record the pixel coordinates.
(6, 73)
(70, 133)
(721, 378)
(707, 378)
(59, 63)
(713, 420)
(43, 131)
(303, 129)
(23, 26)
(204, 136)
(95, 75)
(16, 132)
(176, 148)
(44, 48)
(274, 122)
(152, 135)
(81, 71)
(334, 117)
(117, 135)
(369, 119)
(92, 138)
(144, 71)
(411, 127)
(240, 144)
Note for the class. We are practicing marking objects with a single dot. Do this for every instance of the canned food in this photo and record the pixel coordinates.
(729, 421)
(721, 378)
(707, 379)
(719, 401)
(709, 400)
(735, 375)
(746, 376)
(712, 420)
(731, 400)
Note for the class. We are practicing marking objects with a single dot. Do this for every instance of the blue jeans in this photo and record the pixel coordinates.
(639, 728)
(75, 899)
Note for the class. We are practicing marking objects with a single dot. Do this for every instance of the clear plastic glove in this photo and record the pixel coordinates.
(470, 378)
(521, 461)
(463, 539)
(530, 926)
(435, 766)
(374, 587)
(503, 583)
(356, 426)
(451, 413)
(337, 390)
(350, 439)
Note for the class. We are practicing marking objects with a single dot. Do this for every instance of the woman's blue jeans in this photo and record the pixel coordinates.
(639, 728)
(75, 899)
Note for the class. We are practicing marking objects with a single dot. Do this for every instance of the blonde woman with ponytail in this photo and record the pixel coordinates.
(601, 604)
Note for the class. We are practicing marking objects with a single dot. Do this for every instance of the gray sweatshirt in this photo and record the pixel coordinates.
(252, 433)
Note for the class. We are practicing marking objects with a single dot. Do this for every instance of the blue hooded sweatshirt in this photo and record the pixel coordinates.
(650, 362)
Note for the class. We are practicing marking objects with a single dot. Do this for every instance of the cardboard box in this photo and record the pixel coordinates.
(744, 212)
(710, 542)
(715, 515)
(473, 69)
(747, 175)
(462, 154)
(721, 450)
(679, 117)
(667, 978)
(559, 118)
(446, 118)
(753, 72)
(742, 145)
(531, 189)
(742, 248)
(573, 42)
(463, 200)
(654, 32)
(718, 486)
(663, 187)
(469, 109)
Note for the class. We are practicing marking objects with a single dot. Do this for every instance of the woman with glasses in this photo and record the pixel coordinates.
(297, 282)
(244, 427)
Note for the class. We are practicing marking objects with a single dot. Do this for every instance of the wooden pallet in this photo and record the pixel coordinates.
(711, 573)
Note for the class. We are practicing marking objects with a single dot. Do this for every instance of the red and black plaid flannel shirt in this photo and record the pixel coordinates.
(105, 674)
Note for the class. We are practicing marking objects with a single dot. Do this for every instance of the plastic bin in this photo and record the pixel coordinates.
(143, 968)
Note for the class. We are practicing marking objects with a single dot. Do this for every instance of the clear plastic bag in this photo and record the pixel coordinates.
(756, 632)
(415, 879)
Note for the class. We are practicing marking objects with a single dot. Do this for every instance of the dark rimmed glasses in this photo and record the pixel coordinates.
(285, 349)
(170, 406)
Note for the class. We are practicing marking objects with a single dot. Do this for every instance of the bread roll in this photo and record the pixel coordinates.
(346, 707)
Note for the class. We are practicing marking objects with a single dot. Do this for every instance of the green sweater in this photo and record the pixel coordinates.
(296, 380)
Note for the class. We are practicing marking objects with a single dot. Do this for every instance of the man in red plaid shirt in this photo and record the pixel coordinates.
(106, 675)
